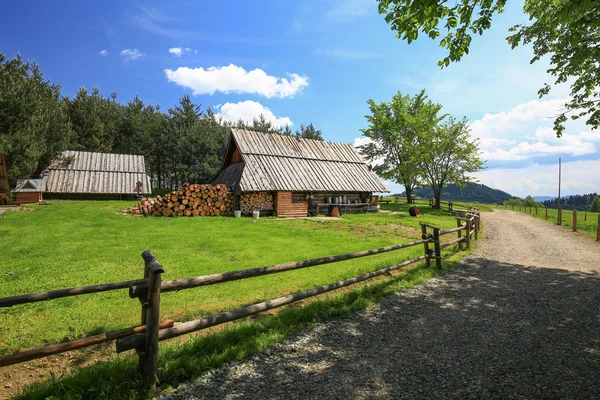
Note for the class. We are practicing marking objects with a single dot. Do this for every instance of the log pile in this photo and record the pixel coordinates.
(261, 201)
(189, 201)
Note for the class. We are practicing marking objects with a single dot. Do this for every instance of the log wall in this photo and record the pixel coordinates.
(29, 197)
(285, 207)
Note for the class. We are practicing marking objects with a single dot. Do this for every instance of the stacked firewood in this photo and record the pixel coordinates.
(190, 201)
(261, 201)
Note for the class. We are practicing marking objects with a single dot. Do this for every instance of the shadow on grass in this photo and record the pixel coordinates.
(115, 378)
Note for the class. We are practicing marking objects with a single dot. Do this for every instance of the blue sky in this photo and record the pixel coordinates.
(308, 61)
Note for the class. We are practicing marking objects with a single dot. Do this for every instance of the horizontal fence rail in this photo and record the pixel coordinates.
(145, 337)
(205, 280)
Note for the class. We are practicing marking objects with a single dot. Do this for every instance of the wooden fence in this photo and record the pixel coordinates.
(145, 337)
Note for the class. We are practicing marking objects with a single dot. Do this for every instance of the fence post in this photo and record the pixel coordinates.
(574, 220)
(425, 245)
(149, 362)
(468, 234)
(535, 210)
(560, 216)
(438, 248)
(476, 227)
(546, 213)
(598, 229)
(460, 245)
(585, 216)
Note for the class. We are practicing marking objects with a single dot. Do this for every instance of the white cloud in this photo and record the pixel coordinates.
(525, 132)
(351, 9)
(348, 54)
(359, 141)
(234, 79)
(176, 51)
(578, 177)
(179, 51)
(247, 111)
(131, 54)
(103, 52)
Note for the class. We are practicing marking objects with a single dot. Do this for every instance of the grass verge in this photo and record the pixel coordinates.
(587, 222)
(183, 361)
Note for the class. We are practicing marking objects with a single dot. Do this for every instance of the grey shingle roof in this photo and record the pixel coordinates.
(274, 162)
(97, 173)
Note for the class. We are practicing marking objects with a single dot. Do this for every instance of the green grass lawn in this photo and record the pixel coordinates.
(76, 243)
(587, 222)
(71, 243)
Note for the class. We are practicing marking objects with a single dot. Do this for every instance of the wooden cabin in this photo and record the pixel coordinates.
(98, 176)
(30, 191)
(296, 173)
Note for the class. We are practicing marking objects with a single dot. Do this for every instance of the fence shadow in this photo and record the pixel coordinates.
(484, 330)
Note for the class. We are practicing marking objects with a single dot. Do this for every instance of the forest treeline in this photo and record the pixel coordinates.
(579, 202)
(182, 144)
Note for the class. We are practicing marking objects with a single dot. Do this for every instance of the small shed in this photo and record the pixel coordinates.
(99, 176)
(295, 176)
(30, 190)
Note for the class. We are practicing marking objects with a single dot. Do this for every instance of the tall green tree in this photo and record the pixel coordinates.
(34, 126)
(595, 206)
(396, 130)
(447, 155)
(309, 132)
(566, 31)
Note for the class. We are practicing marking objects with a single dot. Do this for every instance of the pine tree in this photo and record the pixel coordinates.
(595, 206)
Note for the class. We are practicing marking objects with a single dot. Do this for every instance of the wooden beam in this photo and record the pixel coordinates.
(187, 283)
(135, 341)
(46, 351)
(55, 294)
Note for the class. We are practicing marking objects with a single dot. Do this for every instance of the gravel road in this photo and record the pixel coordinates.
(518, 319)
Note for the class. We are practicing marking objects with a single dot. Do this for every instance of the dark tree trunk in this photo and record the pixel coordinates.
(408, 190)
(437, 193)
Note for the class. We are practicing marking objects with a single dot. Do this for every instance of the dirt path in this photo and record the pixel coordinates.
(517, 319)
(518, 238)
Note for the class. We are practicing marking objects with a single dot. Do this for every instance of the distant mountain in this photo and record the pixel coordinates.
(540, 199)
(473, 192)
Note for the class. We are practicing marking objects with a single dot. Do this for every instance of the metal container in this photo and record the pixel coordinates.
(256, 214)
(237, 213)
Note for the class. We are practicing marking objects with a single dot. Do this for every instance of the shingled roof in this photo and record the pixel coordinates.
(82, 172)
(272, 162)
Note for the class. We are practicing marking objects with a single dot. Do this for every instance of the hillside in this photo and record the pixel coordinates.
(473, 192)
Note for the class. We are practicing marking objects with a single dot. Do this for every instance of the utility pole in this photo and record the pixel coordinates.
(559, 210)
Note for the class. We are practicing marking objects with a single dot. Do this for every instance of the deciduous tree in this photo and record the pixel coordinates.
(448, 155)
(395, 129)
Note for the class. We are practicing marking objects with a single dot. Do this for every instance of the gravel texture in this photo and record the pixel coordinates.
(518, 319)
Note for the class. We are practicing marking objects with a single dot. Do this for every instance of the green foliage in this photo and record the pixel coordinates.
(581, 202)
(530, 202)
(454, 22)
(568, 31)
(309, 132)
(447, 155)
(34, 125)
(595, 206)
(515, 202)
(394, 131)
(185, 144)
